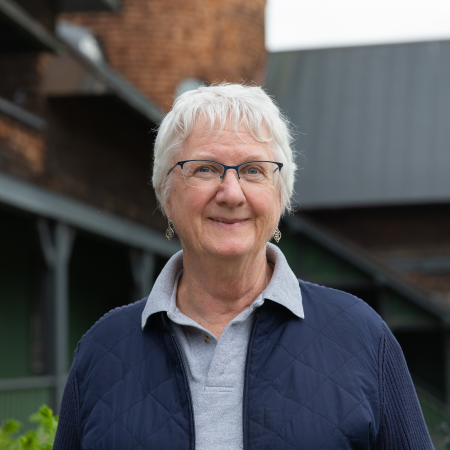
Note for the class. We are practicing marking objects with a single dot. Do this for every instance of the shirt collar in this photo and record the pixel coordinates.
(283, 288)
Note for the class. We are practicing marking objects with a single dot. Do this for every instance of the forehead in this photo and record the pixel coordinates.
(228, 145)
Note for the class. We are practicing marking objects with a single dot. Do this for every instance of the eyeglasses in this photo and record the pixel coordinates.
(202, 173)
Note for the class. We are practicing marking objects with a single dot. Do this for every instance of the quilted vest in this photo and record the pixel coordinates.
(309, 383)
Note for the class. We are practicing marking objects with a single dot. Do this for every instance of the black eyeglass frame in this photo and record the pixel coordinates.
(225, 167)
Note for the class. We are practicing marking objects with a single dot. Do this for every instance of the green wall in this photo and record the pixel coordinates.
(15, 242)
(316, 264)
(100, 280)
(21, 403)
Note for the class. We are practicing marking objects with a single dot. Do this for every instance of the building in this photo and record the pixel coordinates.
(373, 146)
(83, 85)
(82, 89)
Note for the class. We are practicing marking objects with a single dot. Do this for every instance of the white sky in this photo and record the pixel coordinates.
(301, 24)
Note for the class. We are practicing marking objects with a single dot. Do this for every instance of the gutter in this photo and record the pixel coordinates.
(20, 114)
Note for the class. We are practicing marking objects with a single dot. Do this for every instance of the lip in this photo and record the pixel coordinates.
(227, 222)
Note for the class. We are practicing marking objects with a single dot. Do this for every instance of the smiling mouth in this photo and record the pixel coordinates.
(227, 221)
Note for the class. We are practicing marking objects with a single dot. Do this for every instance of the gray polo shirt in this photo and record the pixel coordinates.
(215, 367)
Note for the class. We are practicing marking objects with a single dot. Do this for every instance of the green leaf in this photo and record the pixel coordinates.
(11, 426)
(41, 438)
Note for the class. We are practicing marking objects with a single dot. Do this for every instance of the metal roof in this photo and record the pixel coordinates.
(376, 122)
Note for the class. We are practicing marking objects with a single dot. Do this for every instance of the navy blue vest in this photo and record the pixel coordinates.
(309, 383)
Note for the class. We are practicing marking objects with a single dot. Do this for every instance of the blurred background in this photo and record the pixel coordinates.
(84, 84)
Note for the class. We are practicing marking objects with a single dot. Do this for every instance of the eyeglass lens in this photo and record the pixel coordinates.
(206, 174)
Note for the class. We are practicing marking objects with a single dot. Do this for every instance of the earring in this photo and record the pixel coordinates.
(169, 231)
(277, 235)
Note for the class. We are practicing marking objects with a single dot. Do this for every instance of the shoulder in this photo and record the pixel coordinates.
(341, 314)
(111, 329)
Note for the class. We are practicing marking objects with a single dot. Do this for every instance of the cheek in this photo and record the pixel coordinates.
(191, 202)
(266, 206)
(194, 202)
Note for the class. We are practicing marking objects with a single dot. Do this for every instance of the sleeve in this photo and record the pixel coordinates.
(402, 426)
(67, 434)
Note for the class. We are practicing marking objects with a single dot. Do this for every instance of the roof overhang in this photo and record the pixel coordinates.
(382, 275)
(20, 114)
(76, 72)
(121, 87)
(19, 32)
(45, 203)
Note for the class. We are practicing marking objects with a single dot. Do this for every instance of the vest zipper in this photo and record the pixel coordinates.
(188, 390)
(245, 400)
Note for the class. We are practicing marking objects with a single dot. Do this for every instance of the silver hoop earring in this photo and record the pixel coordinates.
(169, 231)
(277, 235)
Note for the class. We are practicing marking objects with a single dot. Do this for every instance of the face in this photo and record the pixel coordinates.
(229, 220)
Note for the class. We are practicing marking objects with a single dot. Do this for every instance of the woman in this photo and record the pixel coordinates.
(230, 350)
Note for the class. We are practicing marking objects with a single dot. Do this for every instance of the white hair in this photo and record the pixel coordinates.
(244, 105)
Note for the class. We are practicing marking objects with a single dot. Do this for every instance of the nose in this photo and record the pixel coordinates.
(230, 190)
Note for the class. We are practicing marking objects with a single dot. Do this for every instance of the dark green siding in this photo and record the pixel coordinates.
(15, 242)
(19, 404)
(100, 280)
(316, 264)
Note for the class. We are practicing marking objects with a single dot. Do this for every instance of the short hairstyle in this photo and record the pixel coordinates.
(246, 105)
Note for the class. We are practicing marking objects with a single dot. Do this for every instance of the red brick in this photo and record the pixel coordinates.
(158, 43)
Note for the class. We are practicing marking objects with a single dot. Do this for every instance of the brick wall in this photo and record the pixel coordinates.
(158, 43)
(95, 149)
(20, 77)
(22, 149)
(400, 228)
(100, 153)
(41, 10)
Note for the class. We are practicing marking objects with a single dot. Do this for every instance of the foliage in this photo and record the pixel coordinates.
(41, 438)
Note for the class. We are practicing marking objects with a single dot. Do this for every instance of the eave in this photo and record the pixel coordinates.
(20, 32)
(382, 275)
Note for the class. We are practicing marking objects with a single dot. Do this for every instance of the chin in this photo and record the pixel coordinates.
(230, 247)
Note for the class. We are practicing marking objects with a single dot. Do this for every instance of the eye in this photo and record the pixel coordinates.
(201, 169)
(252, 170)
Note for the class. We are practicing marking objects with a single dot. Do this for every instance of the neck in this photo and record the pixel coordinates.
(213, 292)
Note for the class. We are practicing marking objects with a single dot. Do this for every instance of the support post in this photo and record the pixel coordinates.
(143, 269)
(57, 248)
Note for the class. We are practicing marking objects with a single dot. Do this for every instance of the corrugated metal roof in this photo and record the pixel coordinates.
(376, 121)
